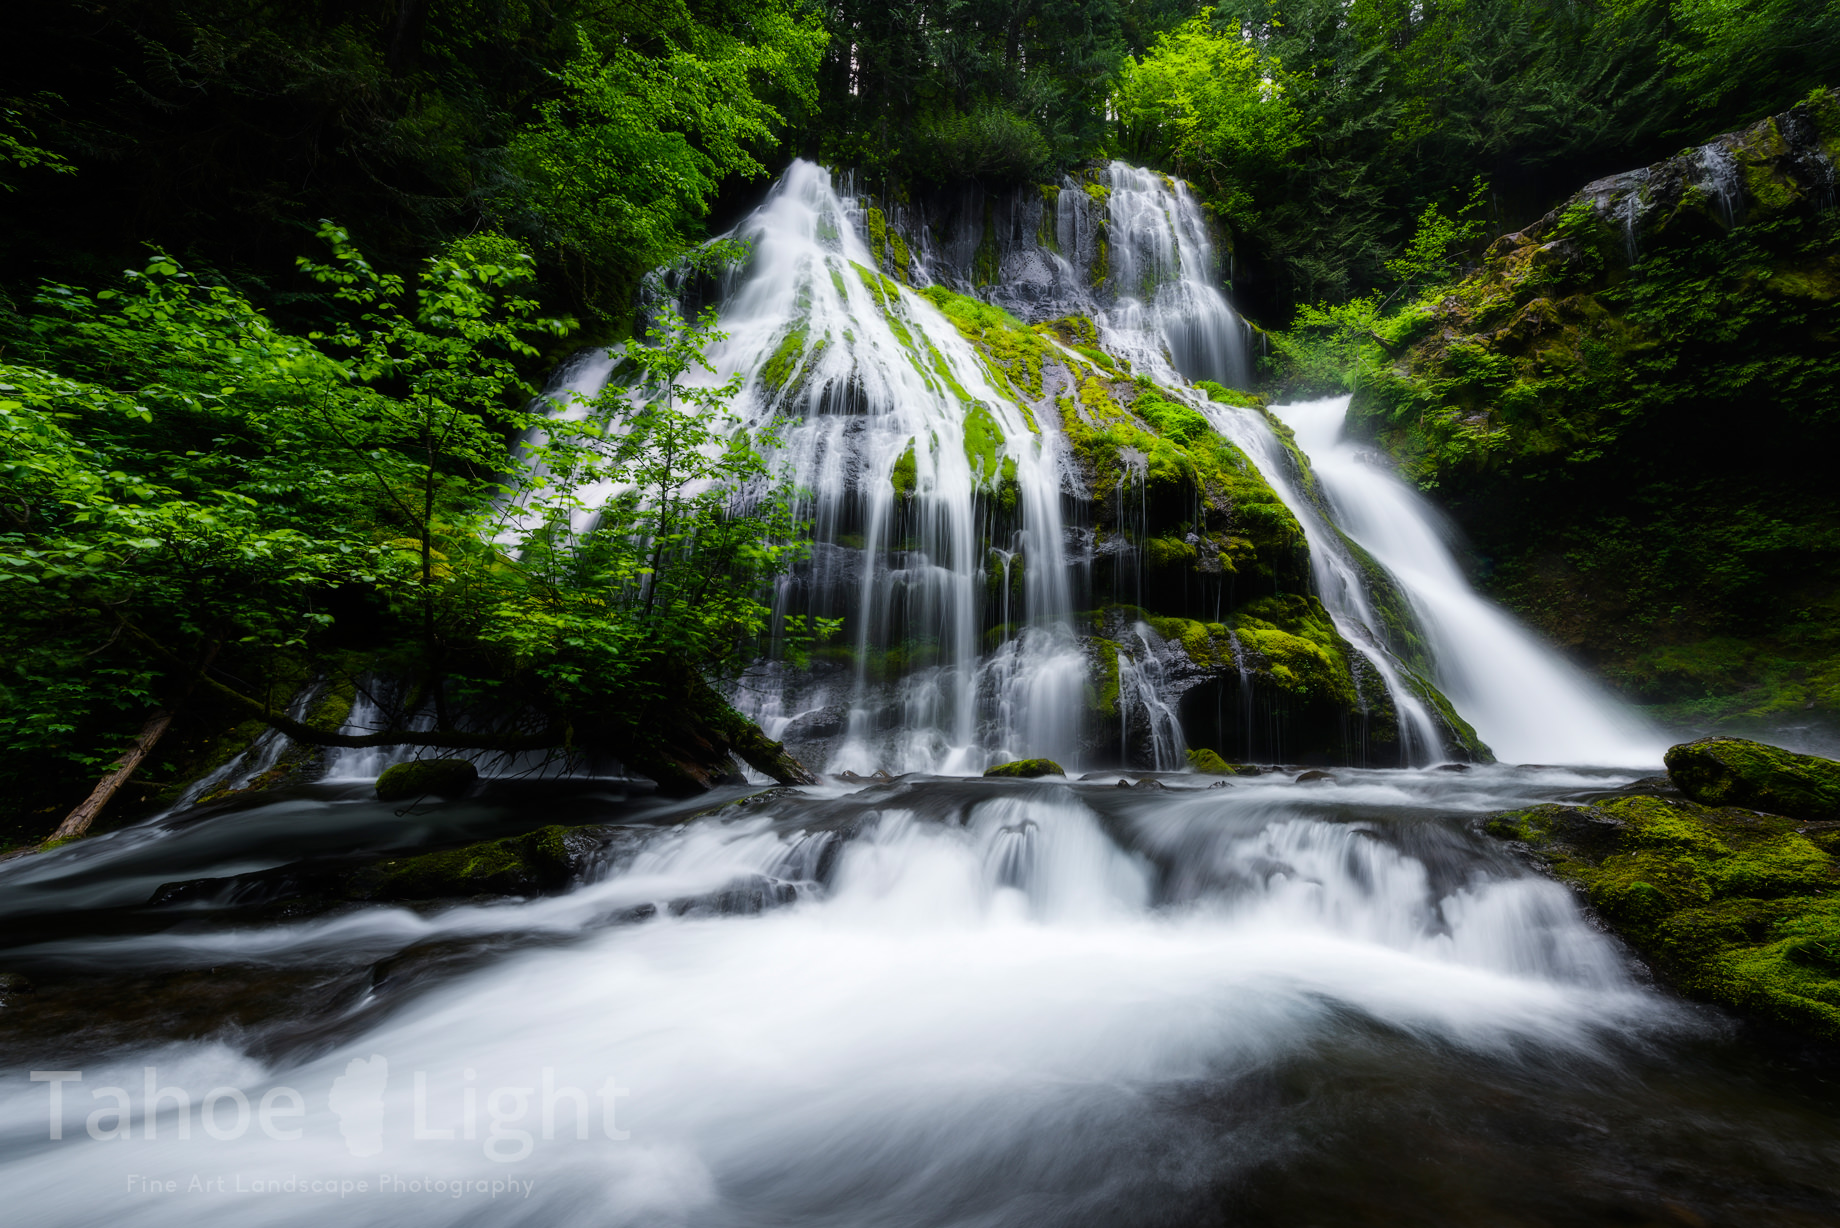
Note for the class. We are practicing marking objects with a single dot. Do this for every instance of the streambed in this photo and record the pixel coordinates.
(922, 1001)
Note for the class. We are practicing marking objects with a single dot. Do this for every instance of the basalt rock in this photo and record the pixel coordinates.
(1026, 769)
(1736, 772)
(1730, 905)
(425, 777)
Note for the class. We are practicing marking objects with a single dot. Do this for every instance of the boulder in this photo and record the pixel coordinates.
(422, 777)
(519, 865)
(1026, 769)
(1730, 905)
(1736, 772)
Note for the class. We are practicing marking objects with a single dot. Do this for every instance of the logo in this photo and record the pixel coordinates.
(357, 1099)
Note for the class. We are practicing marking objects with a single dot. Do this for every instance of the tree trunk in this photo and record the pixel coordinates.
(77, 821)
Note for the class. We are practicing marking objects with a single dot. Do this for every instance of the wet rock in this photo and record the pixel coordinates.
(1583, 830)
(531, 864)
(1150, 782)
(1730, 905)
(426, 777)
(1452, 767)
(12, 983)
(1313, 774)
(1026, 769)
(1737, 772)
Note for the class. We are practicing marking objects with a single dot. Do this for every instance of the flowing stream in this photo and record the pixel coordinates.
(925, 1001)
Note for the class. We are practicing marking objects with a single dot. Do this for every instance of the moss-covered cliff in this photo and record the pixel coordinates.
(1630, 407)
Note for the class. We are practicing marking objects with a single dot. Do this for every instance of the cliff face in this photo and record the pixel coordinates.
(1633, 406)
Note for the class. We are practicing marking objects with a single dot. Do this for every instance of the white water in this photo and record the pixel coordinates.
(963, 1008)
(1525, 701)
(881, 372)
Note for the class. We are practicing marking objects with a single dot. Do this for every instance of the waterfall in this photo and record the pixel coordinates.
(902, 448)
(951, 527)
(1526, 702)
(1166, 275)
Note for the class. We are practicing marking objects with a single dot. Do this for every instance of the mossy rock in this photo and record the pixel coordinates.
(425, 777)
(1736, 772)
(519, 865)
(1026, 769)
(1732, 906)
(1208, 763)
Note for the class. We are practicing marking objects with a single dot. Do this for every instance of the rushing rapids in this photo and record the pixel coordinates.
(942, 1001)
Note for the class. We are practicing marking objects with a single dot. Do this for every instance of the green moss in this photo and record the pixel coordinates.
(425, 777)
(784, 362)
(878, 237)
(1296, 647)
(1209, 763)
(905, 477)
(1733, 906)
(1014, 352)
(1172, 420)
(983, 445)
(521, 865)
(1231, 396)
(1723, 771)
(1026, 769)
(1102, 691)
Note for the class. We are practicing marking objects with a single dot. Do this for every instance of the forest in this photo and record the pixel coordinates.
(279, 281)
(743, 613)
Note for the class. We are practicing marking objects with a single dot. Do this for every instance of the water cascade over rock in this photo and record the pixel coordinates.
(1049, 524)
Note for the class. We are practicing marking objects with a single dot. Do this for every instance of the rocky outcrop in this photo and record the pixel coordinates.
(1026, 769)
(1737, 772)
(1732, 905)
(1628, 407)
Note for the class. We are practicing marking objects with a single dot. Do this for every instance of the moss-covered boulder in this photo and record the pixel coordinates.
(424, 777)
(1731, 906)
(520, 865)
(1208, 763)
(1026, 769)
(1737, 772)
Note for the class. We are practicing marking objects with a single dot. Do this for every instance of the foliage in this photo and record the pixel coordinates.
(221, 127)
(618, 169)
(1005, 90)
(1575, 410)
(204, 500)
(1214, 107)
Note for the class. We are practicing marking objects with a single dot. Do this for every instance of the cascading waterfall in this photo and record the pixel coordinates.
(1522, 698)
(901, 447)
(1170, 312)
(935, 491)
(1338, 580)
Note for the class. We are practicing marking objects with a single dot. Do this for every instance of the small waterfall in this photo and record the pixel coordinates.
(1141, 705)
(1339, 583)
(1524, 701)
(1166, 275)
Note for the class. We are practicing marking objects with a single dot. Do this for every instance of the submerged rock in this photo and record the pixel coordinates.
(1732, 906)
(1736, 772)
(422, 777)
(520, 865)
(1026, 769)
